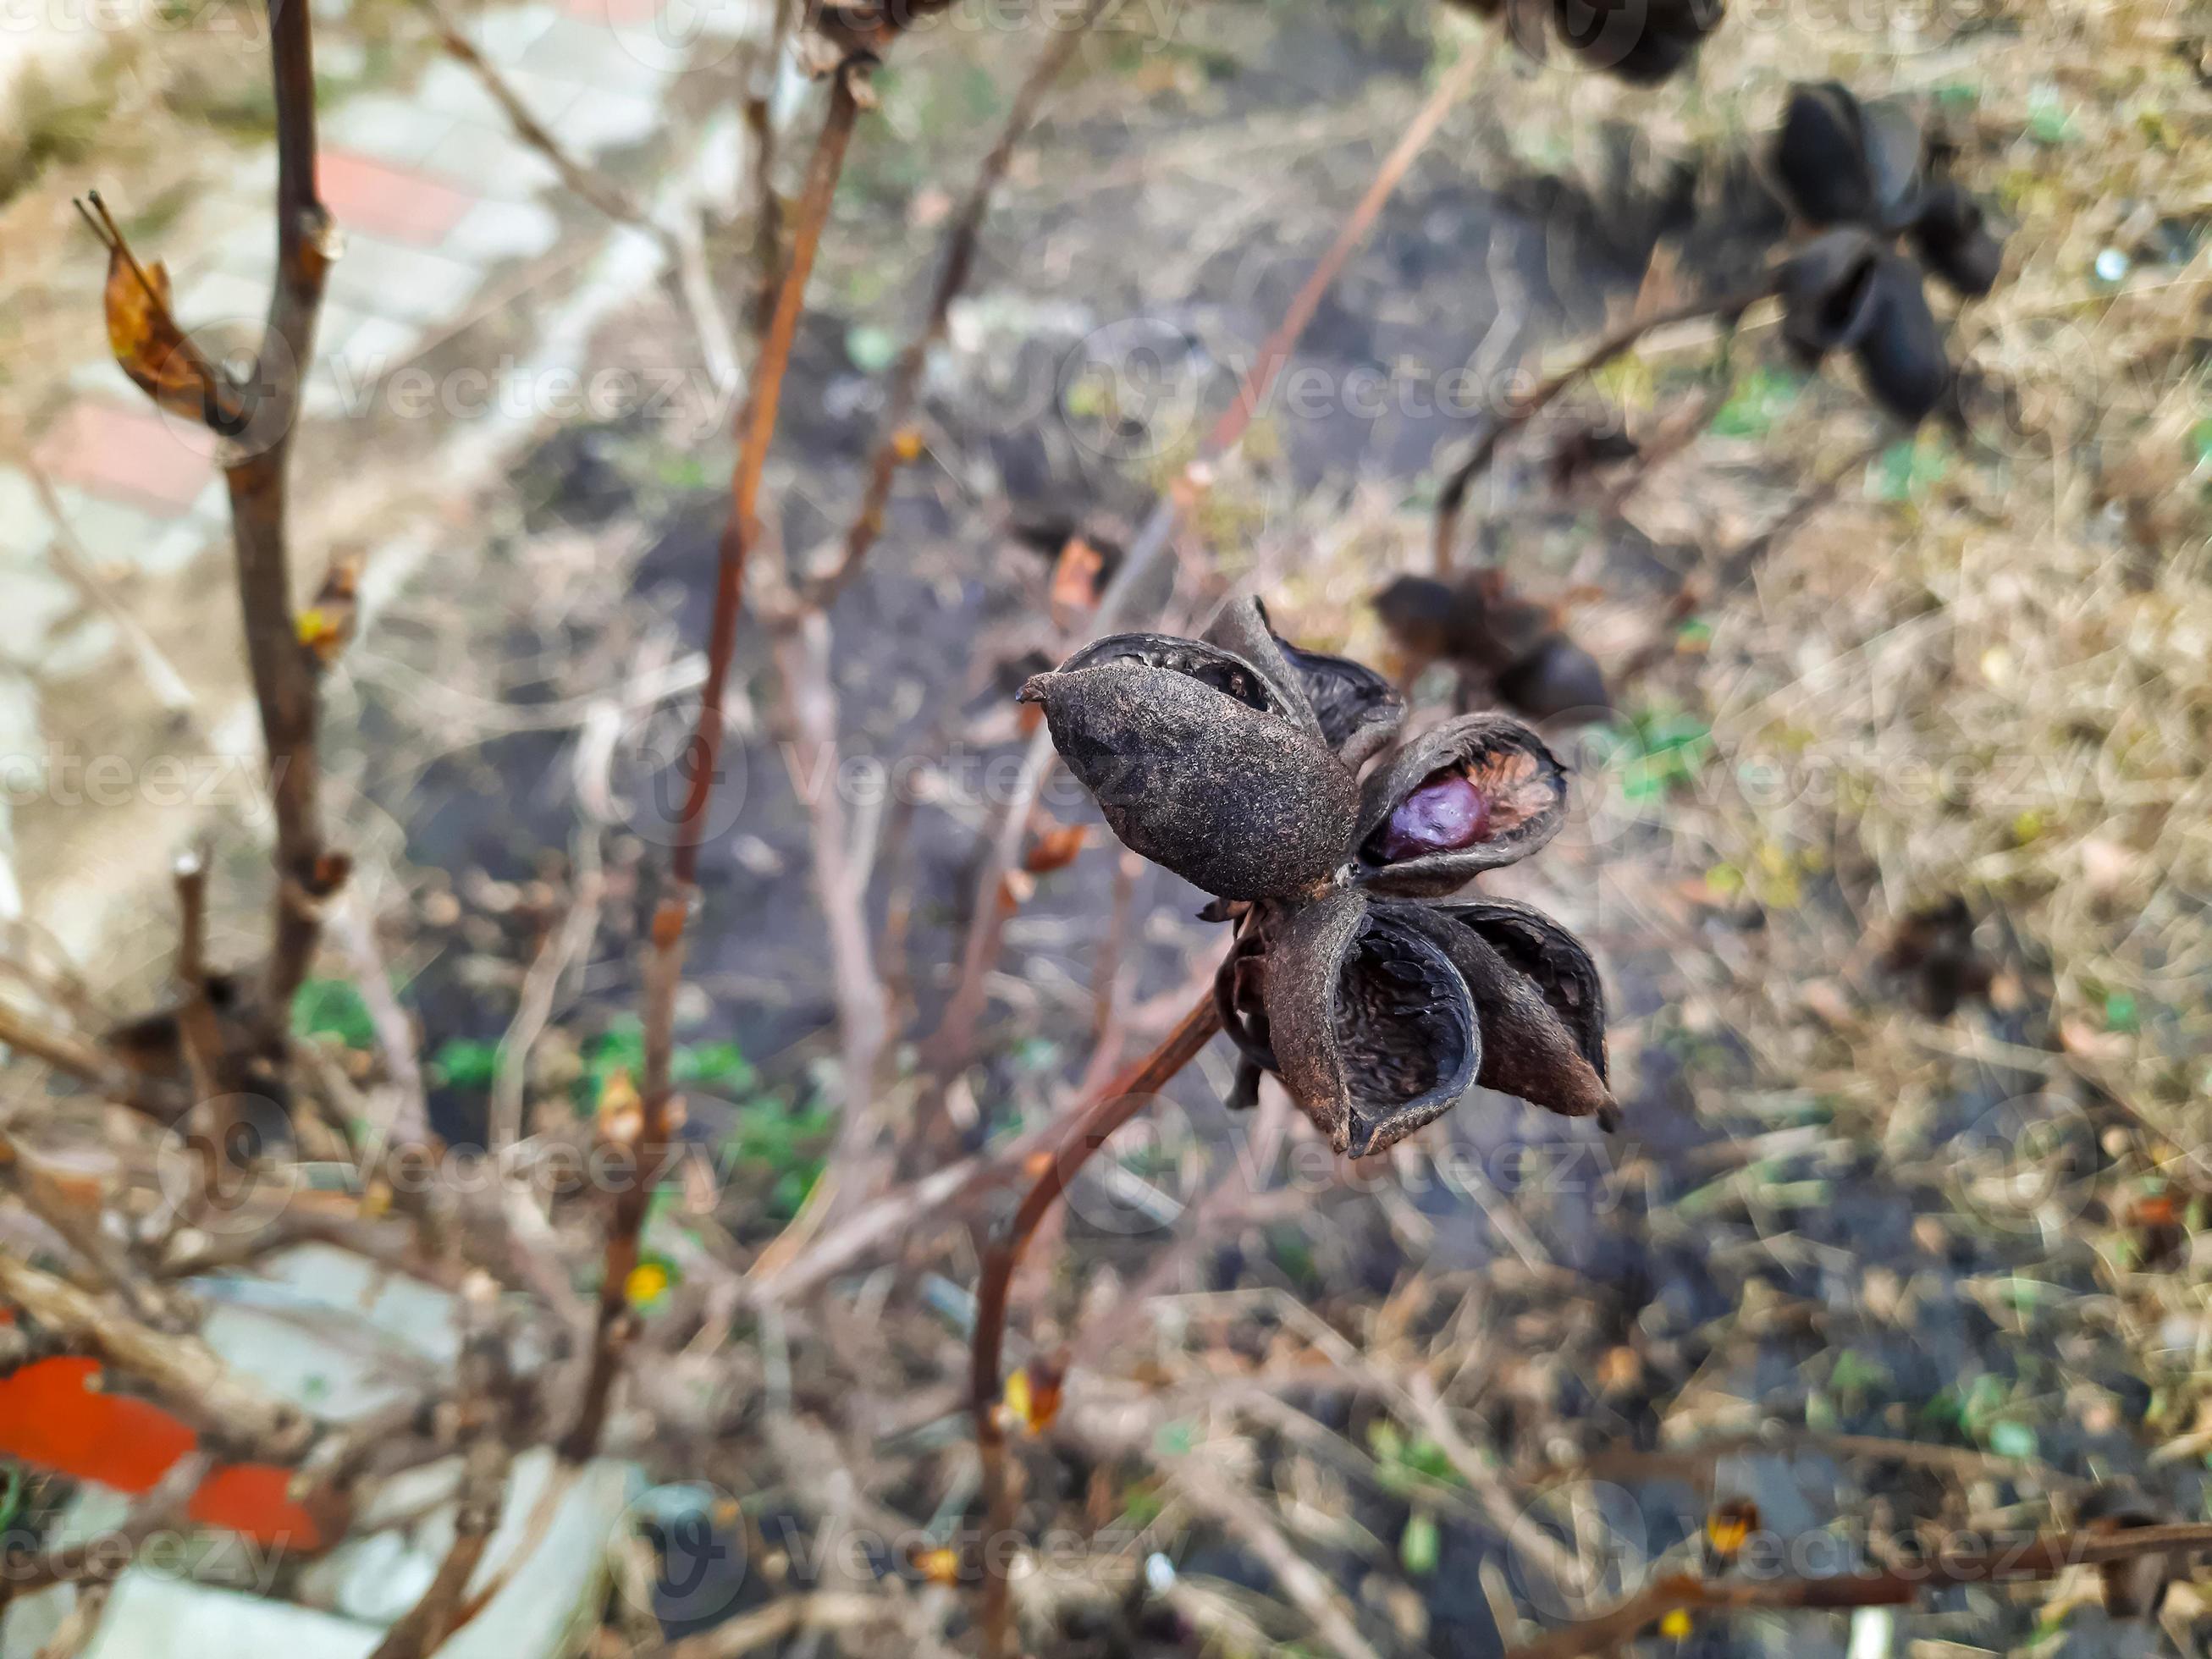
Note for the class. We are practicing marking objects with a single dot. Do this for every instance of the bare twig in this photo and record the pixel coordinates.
(1960, 1559)
(759, 110)
(1522, 409)
(284, 670)
(68, 553)
(664, 972)
(46, 1196)
(212, 1119)
(584, 181)
(181, 1370)
(764, 1627)
(486, 1382)
(802, 655)
(954, 262)
(540, 985)
(1088, 1130)
(80, 1060)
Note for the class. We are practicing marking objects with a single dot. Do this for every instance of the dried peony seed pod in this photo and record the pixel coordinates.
(1837, 161)
(1951, 235)
(1901, 352)
(1640, 41)
(1828, 293)
(1420, 833)
(1556, 681)
(1359, 711)
(1537, 1000)
(1201, 762)
(1421, 614)
(1374, 1027)
(1355, 711)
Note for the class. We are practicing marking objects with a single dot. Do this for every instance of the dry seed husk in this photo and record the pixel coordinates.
(1641, 45)
(1520, 780)
(1243, 803)
(1952, 237)
(1901, 353)
(1250, 681)
(1817, 160)
(1372, 1025)
(1530, 1046)
(1828, 293)
(1355, 709)
(1551, 957)
(1358, 710)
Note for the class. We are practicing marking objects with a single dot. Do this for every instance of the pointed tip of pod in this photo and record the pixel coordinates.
(1034, 688)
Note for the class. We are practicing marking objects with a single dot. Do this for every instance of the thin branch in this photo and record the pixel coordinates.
(486, 1382)
(67, 550)
(1091, 1125)
(1960, 1559)
(181, 1370)
(949, 1048)
(955, 261)
(583, 181)
(80, 1060)
(540, 985)
(615, 1324)
(1453, 497)
(802, 657)
(755, 430)
(46, 1195)
(759, 110)
(284, 671)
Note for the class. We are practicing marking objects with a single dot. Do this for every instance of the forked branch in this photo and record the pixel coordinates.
(1092, 1124)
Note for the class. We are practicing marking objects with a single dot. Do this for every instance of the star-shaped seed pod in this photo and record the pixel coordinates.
(1640, 41)
(1857, 174)
(1235, 762)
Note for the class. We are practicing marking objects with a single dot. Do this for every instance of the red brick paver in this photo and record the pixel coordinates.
(128, 454)
(383, 200)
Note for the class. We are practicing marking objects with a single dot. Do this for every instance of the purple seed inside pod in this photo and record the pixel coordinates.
(1446, 813)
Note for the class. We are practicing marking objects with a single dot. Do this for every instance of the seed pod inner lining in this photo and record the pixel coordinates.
(1508, 785)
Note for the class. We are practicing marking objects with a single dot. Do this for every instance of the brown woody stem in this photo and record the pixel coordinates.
(614, 1324)
(1518, 413)
(284, 671)
(1093, 1123)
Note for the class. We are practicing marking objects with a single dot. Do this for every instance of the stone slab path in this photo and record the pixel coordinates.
(469, 272)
